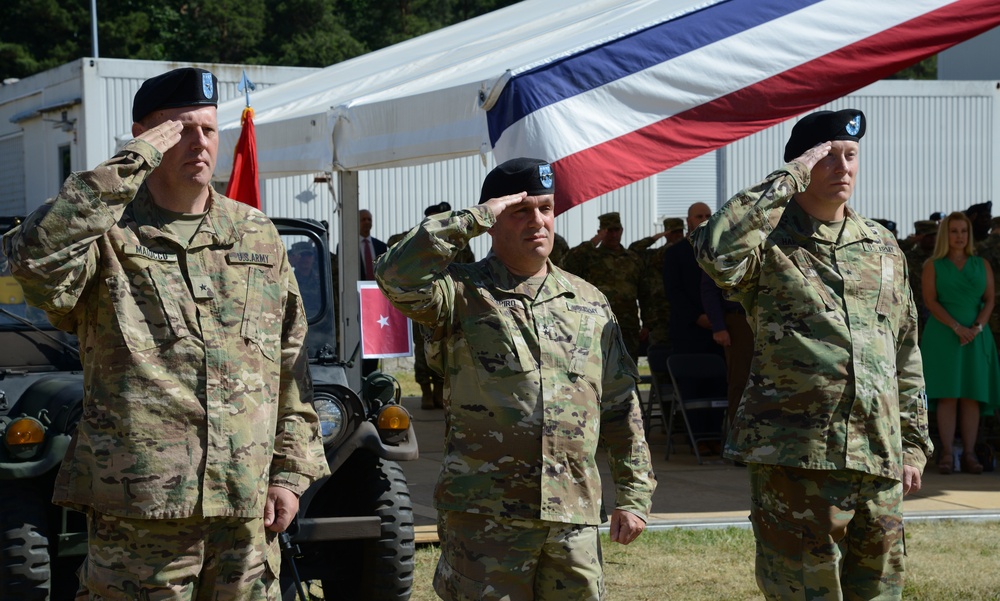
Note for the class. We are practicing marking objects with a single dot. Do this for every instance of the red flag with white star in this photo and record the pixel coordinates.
(385, 332)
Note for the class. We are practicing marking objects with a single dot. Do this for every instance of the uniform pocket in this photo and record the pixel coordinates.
(262, 314)
(497, 347)
(146, 307)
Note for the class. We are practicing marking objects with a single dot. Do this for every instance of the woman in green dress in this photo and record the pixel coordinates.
(960, 358)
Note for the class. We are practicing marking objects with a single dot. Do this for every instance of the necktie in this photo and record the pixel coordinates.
(369, 263)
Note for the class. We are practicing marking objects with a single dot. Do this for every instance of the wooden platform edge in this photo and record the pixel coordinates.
(425, 535)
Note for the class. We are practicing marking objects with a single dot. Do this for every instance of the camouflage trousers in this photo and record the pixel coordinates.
(827, 535)
(179, 559)
(490, 559)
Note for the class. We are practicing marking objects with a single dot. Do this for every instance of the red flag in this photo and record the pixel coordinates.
(243, 183)
(385, 332)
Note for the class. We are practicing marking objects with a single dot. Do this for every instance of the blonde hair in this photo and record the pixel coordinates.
(941, 244)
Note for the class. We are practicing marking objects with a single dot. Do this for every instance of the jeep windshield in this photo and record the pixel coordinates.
(304, 255)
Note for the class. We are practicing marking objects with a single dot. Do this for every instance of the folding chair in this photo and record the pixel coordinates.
(661, 389)
(699, 385)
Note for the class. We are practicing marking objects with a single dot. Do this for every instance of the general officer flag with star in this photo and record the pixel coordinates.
(385, 332)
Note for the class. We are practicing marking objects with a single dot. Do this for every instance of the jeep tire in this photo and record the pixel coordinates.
(375, 569)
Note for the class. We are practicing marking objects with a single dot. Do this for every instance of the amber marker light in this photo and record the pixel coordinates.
(393, 424)
(23, 436)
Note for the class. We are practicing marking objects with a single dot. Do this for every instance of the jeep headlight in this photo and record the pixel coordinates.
(24, 436)
(332, 417)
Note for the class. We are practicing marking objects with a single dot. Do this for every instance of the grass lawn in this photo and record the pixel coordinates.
(947, 561)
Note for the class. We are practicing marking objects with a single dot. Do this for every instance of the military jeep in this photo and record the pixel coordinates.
(353, 536)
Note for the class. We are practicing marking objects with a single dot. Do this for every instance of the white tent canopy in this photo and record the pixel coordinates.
(423, 100)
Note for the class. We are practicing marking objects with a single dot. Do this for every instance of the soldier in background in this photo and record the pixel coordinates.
(658, 305)
(537, 380)
(559, 249)
(197, 435)
(617, 272)
(833, 422)
(920, 249)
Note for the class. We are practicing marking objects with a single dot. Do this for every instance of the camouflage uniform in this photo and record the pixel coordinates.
(431, 382)
(559, 249)
(916, 254)
(534, 384)
(196, 387)
(657, 315)
(836, 381)
(618, 274)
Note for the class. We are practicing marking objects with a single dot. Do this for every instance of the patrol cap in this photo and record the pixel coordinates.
(672, 224)
(610, 220)
(533, 176)
(302, 248)
(925, 226)
(441, 207)
(823, 126)
(187, 86)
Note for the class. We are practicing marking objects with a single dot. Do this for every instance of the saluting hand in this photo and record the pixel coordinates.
(812, 156)
(164, 136)
(501, 204)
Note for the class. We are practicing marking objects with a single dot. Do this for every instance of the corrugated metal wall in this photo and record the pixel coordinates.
(12, 176)
(397, 198)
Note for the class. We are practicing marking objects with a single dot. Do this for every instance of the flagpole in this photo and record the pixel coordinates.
(244, 184)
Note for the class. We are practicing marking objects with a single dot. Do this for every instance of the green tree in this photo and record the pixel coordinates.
(925, 69)
(36, 35)
(307, 33)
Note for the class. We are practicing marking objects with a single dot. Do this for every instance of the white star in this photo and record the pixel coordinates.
(383, 320)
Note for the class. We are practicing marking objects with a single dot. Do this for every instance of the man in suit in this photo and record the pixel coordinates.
(370, 246)
(690, 329)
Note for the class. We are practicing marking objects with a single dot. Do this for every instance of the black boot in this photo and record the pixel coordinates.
(426, 396)
(438, 394)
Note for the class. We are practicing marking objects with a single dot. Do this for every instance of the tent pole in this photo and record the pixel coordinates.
(350, 305)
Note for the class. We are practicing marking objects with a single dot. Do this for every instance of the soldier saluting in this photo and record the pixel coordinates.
(536, 379)
(833, 421)
(197, 433)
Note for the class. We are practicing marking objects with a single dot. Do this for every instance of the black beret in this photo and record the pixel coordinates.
(824, 126)
(441, 207)
(533, 176)
(187, 86)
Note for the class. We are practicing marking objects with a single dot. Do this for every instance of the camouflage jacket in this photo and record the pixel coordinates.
(657, 314)
(197, 393)
(836, 380)
(617, 273)
(533, 386)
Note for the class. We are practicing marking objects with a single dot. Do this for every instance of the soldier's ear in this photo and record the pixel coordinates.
(137, 128)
